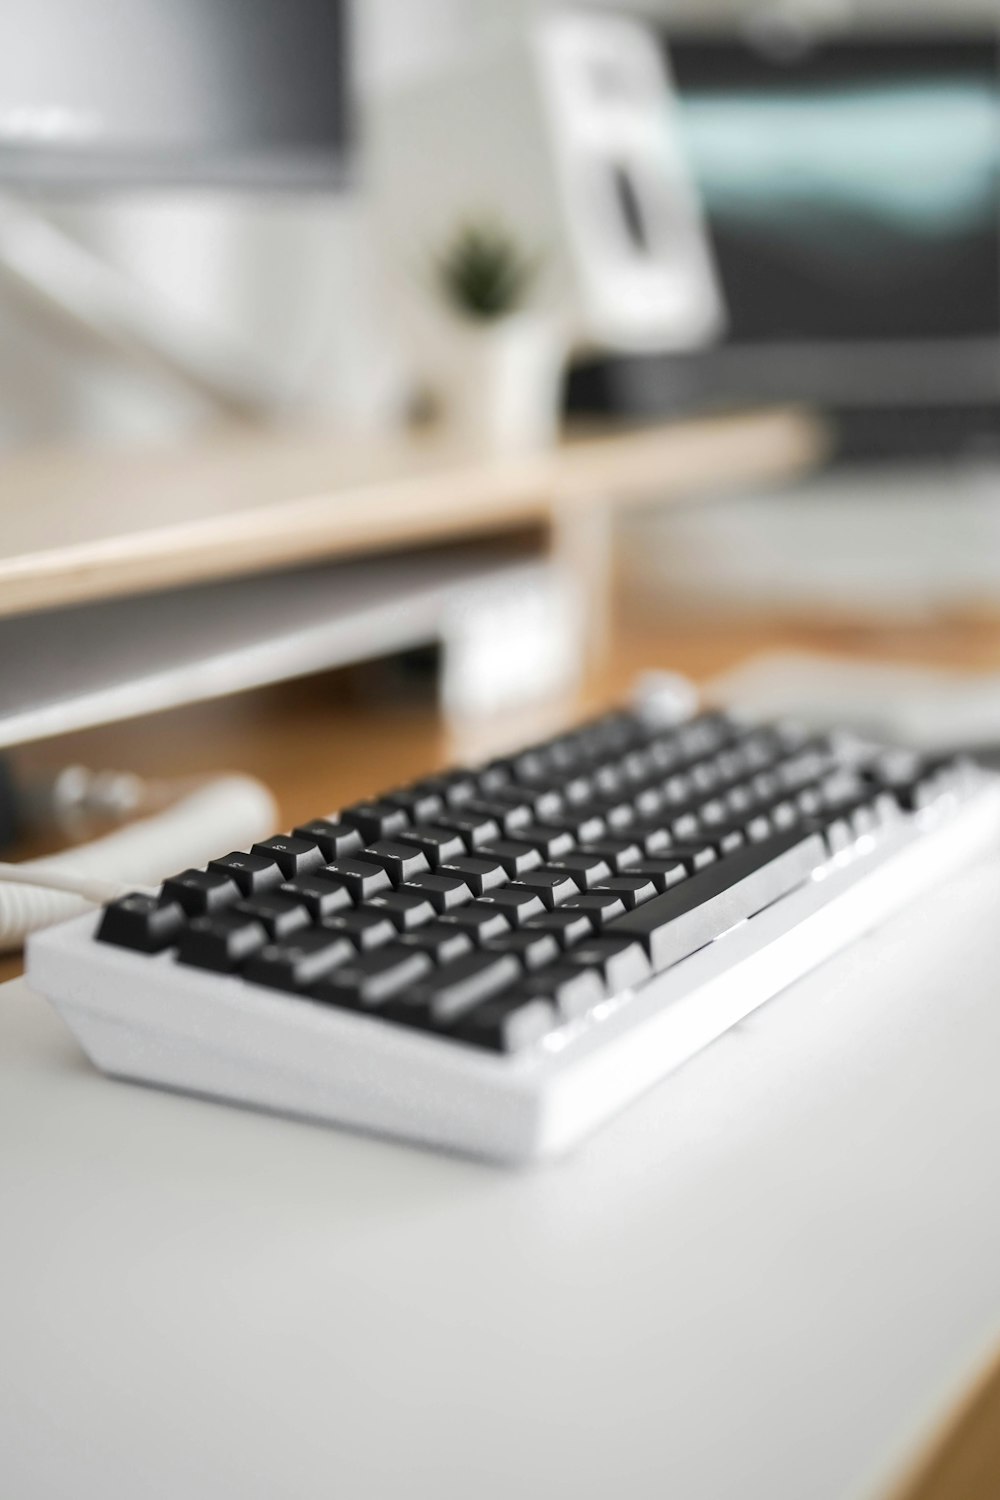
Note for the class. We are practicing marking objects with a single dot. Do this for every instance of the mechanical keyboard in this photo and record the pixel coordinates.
(497, 959)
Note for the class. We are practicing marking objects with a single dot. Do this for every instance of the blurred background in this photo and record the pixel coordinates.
(680, 322)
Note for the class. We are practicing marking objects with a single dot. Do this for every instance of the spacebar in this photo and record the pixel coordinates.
(691, 914)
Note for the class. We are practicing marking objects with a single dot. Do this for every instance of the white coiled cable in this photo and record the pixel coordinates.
(229, 812)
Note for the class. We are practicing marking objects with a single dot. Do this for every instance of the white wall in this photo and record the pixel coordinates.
(287, 278)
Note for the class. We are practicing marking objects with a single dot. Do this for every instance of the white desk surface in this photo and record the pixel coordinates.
(767, 1281)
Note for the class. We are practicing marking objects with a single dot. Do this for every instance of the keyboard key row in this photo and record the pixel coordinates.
(494, 903)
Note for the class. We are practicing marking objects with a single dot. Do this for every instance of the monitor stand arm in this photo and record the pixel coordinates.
(52, 271)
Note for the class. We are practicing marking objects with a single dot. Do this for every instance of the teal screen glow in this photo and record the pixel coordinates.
(853, 192)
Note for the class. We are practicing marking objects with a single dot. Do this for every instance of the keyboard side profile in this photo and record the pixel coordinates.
(499, 959)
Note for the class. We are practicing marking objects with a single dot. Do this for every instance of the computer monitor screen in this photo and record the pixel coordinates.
(852, 190)
(220, 91)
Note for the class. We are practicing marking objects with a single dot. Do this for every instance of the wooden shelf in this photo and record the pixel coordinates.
(86, 524)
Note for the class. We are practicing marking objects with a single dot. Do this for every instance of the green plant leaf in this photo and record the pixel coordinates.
(484, 273)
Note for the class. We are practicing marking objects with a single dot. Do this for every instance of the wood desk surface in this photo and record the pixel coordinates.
(89, 523)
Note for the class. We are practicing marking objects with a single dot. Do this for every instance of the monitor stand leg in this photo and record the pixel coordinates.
(52, 271)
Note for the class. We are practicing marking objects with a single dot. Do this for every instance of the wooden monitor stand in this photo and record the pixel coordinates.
(78, 525)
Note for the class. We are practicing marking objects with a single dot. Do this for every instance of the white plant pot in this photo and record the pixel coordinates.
(501, 381)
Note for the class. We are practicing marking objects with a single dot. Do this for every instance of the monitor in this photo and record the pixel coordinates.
(851, 183)
(98, 93)
(113, 94)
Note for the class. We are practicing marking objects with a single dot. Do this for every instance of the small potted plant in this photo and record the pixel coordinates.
(502, 359)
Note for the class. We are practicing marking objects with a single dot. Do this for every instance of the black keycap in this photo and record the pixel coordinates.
(253, 873)
(144, 923)
(692, 856)
(321, 897)
(692, 913)
(515, 856)
(783, 814)
(439, 942)
(711, 814)
(638, 766)
(444, 892)
(730, 767)
(650, 834)
(633, 889)
(804, 767)
(584, 870)
(620, 854)
(568, 926)
(851, 820)
(298, 962)
(478, 921)
(508, 815)
(221, 943)
(679, 792)
(621, 961)
(420, 805)
(399, 861)
(914, 780)
(436, 843)
(517, 904)
(809, 801)
(616, 813)
(531, 765)
(278, 913)
(708, 732)
(609, 777)
(509, 1023)
(909, 777)
(201, 892)
(563, 756)
(455, 787)
(765, 786)
(450, 991)
(705, 777)
(580, 823)
(295, 856)
(551, 843)
(663, 755)
(649, 801)
(333, 838)
(739, 801)
(663, 872)
(614, 733)
(723, 840)
(375, 820)
(492, 778)
(532, 948)
(601, 906)
(552, 887)
(405, 909)
(843, 786)
(370, 980)
(684, 825)
(365, 929)
(571, 989)
(540, 801)
(474, 828)
(480, 873)
(362, 879)
(579, 788)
